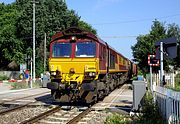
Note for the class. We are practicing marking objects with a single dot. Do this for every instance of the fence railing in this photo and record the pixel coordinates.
(168, 102)
(169, 79)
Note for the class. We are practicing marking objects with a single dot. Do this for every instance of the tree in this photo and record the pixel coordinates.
(174, 31)
(146, 43)
(87, 27)
(10, 45)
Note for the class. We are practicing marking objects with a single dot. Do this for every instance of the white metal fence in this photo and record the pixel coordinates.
(169, 79)
(168, 102)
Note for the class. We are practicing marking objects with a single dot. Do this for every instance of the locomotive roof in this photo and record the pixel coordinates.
(80, 32)
(76, 32)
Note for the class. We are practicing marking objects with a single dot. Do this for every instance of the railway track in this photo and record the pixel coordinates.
(22, 108)
(55, 114)
(58, 115)
(74, 115)
(20, 102)
(18, 107)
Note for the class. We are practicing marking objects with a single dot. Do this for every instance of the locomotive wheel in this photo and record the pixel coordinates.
(107, 91)
(96, 95)
(54, 94)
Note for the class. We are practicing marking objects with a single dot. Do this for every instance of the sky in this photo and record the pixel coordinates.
(119, 22)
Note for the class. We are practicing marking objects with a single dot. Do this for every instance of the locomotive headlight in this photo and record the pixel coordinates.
(53, 73)
(93, 74)
(90, 74)
(73, 39)
(90, 71)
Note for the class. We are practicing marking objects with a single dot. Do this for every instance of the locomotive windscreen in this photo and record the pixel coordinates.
(85, 49)
(61, 50)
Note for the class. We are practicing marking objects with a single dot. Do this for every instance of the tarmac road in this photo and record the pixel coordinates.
(5, 87)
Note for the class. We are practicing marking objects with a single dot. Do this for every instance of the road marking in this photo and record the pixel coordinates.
(116, 97)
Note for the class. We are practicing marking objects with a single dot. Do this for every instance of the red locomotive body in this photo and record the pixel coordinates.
(85, 68)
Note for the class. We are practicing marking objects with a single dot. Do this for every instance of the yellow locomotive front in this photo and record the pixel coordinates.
(73, 65)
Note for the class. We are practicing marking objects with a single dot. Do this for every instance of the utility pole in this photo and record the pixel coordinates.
(161, 61)
(31, 74)
(44, 52)
(34, 72)
(151, 87)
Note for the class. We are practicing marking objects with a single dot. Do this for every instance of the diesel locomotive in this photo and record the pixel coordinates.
(85, 68)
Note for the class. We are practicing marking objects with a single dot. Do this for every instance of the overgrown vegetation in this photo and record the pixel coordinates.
(150, 112)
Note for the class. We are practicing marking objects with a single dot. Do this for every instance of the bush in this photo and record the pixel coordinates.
(150, 112)
(19, 85)
(118, 119)
(177, 83)
(3, 77)
(24, 85)
(134, 78)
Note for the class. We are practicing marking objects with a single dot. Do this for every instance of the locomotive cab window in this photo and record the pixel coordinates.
(61, 50)
(85, 49)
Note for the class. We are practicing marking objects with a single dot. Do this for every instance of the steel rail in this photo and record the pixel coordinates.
(76, 119)
(41, 116)
(79, 117)
(17, 108)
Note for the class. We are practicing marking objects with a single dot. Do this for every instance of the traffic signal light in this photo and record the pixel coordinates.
(152, 61)
(170, 46)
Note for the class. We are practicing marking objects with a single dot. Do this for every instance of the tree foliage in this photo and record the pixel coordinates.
(146, 43)
(86, 26)
(10, 45)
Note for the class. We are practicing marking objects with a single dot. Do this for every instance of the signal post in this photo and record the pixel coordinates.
(152, 61)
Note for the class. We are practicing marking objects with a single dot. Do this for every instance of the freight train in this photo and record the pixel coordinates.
(85, 68)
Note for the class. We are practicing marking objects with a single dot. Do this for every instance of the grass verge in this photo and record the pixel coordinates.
(24, 85)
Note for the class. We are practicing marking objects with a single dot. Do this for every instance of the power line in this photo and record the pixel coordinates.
(136, 20)
(113, 37)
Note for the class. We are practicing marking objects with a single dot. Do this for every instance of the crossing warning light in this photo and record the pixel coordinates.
(152, 61)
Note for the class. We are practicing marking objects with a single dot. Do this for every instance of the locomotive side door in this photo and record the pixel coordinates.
(102, 58)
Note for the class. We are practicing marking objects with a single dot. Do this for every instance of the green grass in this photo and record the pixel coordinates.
(177, 84)
(24, 85)
(118, 119)
(3, 77)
